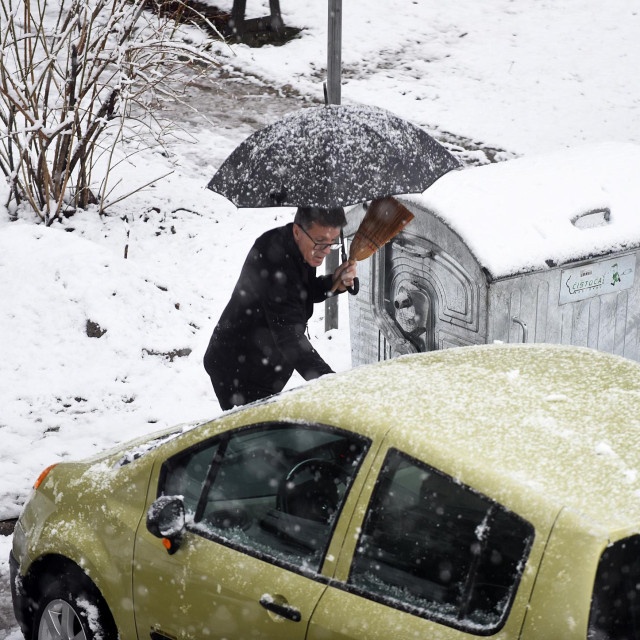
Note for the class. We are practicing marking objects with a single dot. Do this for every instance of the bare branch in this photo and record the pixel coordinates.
(65, 82)
(140, 188)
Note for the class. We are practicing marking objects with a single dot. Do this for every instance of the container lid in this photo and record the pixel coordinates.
(541, 211)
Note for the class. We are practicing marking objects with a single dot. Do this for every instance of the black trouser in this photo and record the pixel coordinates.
(238, 383)
(231, 392)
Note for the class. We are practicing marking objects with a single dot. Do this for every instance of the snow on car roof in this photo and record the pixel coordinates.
(532, 213)
(562, 423)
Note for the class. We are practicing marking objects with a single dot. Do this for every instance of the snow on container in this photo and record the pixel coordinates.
(541, 249)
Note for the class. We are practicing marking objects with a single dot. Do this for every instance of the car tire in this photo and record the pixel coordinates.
(71, 607)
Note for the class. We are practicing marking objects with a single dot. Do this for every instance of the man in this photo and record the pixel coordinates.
(260, 338)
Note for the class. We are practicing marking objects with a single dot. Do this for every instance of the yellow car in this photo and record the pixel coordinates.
(473, 492)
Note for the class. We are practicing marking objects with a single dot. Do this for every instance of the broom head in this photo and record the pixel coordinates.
(385, 218)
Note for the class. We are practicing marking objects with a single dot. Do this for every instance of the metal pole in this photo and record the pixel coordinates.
(334, 52)
(333, 96)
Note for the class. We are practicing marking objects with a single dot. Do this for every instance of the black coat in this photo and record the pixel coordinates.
(260, 337)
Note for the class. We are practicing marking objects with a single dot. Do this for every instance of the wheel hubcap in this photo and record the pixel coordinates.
(60, 622)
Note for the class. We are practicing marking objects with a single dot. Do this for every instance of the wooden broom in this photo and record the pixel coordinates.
(385, 218)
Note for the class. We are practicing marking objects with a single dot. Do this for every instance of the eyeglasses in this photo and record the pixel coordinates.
(321, 246)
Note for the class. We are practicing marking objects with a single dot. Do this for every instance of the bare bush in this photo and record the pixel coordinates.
(77, 78)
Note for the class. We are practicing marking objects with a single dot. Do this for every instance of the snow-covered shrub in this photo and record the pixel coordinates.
(78, 78)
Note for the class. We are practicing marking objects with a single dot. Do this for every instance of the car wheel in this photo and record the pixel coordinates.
(72, 607)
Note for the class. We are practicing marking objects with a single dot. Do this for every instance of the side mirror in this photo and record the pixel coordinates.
(166, 520)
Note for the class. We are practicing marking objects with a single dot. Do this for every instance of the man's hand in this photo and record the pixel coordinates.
(344, 275)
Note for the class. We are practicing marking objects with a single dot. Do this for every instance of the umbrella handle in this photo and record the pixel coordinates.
(352, 290)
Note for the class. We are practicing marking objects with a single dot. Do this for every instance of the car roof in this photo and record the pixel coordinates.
(560, 422)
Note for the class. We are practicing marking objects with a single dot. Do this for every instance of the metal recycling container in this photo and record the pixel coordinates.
(541, 249)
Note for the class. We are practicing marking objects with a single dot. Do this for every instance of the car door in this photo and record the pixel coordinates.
(426, 556)
(262, 503)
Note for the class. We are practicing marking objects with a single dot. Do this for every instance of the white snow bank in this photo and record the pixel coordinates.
(526, 76)
(84, 283)
(89, 340)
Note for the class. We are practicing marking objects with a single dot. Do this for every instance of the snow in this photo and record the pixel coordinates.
(527, 76)
(291, 161)
(529, 206)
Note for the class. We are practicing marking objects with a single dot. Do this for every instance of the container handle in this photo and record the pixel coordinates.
(525, 331)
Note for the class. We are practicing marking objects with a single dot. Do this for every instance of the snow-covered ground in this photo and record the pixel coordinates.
(526, 76)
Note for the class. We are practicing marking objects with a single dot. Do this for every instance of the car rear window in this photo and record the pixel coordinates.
(615, 606)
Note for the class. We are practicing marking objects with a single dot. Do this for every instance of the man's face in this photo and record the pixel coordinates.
(315, 243)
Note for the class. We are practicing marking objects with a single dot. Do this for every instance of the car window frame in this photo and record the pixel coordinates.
(604, 610)
(368, 497)
(369, 451)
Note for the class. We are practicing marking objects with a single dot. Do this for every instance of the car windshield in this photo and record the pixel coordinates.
(615, 607)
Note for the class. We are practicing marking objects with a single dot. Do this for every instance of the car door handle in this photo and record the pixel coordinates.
(281, 609)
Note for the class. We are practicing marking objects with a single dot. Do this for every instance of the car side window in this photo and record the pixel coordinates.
(275, 490)
(185, 474)
(437, 548)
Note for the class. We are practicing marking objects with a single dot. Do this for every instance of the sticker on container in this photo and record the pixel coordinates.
(597, 278)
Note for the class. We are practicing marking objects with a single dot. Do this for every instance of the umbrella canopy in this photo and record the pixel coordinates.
(331, 156)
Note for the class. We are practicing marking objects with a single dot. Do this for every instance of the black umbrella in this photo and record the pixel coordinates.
(331, 156)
